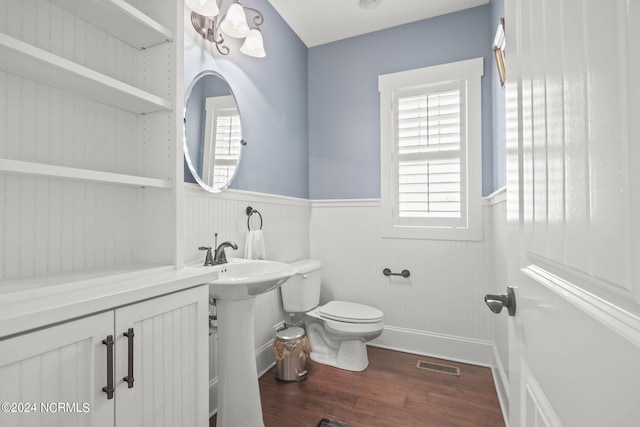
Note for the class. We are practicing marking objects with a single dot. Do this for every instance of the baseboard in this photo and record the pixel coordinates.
(501, 382)
(264, 362)
(449, 347)
(264, 358)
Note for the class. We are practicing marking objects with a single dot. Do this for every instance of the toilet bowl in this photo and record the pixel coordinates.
(337, 330)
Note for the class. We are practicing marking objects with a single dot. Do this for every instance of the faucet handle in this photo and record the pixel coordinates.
(208, 259)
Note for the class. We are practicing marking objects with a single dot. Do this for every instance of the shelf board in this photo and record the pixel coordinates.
(30, 62)
(120, 19)
(18, 167)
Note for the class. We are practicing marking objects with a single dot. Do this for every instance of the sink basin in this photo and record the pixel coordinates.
(246, 278)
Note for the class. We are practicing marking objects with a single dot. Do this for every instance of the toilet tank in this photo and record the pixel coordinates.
(301, 292)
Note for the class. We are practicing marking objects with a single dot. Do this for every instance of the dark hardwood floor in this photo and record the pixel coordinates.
(390, 392)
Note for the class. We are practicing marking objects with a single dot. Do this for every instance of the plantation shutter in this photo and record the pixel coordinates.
(227, 145)
(430, 147)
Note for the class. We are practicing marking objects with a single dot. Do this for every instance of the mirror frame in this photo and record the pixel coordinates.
(185, 148)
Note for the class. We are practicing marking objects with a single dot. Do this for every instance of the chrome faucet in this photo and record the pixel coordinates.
(220, 257)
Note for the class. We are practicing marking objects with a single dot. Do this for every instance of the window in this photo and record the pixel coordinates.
(430, 145)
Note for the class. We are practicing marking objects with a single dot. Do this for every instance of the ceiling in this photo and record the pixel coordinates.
(318, 22)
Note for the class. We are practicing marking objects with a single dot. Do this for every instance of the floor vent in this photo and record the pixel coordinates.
(437, 367)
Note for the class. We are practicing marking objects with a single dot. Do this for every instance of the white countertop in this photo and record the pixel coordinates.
(35, 302)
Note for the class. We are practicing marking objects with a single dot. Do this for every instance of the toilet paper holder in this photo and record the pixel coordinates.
(405, 273)
(497, 302)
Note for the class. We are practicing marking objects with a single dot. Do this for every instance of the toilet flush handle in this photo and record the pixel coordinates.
(304, 276)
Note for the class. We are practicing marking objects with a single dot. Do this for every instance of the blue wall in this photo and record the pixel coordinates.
(311, 116)
(344, 114)
(272, 98)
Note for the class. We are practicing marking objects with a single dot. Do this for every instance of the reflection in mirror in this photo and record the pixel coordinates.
(213, 132)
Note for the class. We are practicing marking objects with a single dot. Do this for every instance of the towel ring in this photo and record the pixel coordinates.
(250, 211)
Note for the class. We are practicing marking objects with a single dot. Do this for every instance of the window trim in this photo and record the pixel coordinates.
(471, 71)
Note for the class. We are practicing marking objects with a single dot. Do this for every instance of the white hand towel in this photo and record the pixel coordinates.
(254, 247)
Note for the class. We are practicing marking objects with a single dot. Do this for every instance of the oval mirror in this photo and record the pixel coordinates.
(212, 131)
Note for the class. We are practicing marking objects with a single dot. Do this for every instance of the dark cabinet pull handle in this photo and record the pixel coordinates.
(129, 378)
(109, 388)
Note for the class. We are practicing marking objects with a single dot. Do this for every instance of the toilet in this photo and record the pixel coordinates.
(337, 330)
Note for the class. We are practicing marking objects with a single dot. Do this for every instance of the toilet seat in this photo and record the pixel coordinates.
(350, 312)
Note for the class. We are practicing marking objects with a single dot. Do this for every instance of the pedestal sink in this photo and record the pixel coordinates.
(239, 282)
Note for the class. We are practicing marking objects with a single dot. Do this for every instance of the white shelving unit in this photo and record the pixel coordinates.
(120, 19)
(30, 62)
(17, 167)
(89, 147)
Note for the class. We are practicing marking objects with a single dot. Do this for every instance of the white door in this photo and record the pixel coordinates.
(170, 361)
(55, 376)
(573, 123)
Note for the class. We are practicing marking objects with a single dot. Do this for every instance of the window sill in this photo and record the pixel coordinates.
(472, 234)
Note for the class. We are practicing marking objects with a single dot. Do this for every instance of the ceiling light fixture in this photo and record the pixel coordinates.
(207, 21)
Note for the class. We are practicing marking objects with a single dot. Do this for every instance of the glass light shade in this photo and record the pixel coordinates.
(203, 7)
(253, 45)
(235, 22)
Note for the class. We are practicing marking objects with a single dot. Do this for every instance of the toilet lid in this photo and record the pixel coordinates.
(350, 312)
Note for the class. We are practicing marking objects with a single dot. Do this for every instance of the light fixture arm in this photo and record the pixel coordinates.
(258, 19)
(208, 29)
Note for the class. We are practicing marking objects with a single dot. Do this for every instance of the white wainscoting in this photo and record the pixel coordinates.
(440, 309)
(499, 323)
(286, 234)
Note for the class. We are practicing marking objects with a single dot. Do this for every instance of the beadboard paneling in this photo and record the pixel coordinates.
(443, 296)
(50, 226)
(286, 234)
(49, 27)
(61, 33)
(62, 129)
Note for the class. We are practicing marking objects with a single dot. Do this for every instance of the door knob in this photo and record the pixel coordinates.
(497, 302)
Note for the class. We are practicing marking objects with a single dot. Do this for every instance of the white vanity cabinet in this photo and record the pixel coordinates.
(68, 364)
(63, 363)
(171, 361)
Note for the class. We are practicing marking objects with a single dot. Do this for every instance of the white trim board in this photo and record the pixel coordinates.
(449, 347)
(494, 198)
(619, 320)
(498, 196)
(346, 203)
(194, 190)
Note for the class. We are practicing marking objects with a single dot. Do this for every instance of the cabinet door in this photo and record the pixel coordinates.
(57, 375)
(170, 361)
